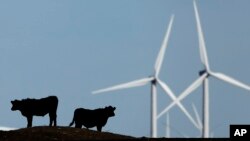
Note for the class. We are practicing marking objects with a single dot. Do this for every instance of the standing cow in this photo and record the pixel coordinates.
(92, 118)
(37, 107)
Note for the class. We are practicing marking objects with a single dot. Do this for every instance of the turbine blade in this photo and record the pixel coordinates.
(230, 80)
(187, 114)
(193, 86)
(197, 117)
(185, 93)
(202, 45)
(131, 84)
(166, 109)
(166, 88)
(160, 56)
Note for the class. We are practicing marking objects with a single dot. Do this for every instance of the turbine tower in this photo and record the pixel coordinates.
(203, 79)
(167, 126)
(153, 80)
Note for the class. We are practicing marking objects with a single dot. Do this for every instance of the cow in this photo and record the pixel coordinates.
(92, 118)
(37, 107)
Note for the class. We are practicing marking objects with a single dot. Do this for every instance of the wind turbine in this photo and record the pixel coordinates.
(153, 80)
(203, 79)
(168, 127)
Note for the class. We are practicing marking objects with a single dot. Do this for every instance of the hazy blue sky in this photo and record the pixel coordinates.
(70, 48)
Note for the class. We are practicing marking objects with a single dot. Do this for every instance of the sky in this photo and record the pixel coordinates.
(71, 48)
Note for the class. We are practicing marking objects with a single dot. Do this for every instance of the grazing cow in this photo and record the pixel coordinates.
(37, 107)
(92, 118)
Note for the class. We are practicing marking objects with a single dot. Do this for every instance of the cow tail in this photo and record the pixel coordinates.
(73, 121)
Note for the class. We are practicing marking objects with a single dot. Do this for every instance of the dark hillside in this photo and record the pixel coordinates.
(44, 133)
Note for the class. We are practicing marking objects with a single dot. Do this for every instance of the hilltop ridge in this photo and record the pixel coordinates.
(45, 133)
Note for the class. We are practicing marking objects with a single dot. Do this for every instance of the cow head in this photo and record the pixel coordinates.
(110, 111)
(15, 105)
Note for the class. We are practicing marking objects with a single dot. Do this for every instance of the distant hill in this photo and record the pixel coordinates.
(44, 133)
(2, 128)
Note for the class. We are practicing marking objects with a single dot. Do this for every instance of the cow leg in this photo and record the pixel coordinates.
(99, 128)
(52, 118)
(77, 125)
(29, 120)
(55, 124)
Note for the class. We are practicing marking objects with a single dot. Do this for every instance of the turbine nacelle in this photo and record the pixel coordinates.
(202, 72)
(154, 81)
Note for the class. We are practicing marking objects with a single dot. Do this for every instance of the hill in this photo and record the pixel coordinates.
(44, 133)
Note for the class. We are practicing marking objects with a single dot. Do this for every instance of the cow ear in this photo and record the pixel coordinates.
(114, 108)
(14, 101)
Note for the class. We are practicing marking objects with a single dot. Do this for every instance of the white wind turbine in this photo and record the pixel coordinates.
(203, 79)
(153, 80)
(168, 126)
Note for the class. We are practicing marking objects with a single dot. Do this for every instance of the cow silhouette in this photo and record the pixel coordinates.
(92, 118)
(37, 107)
